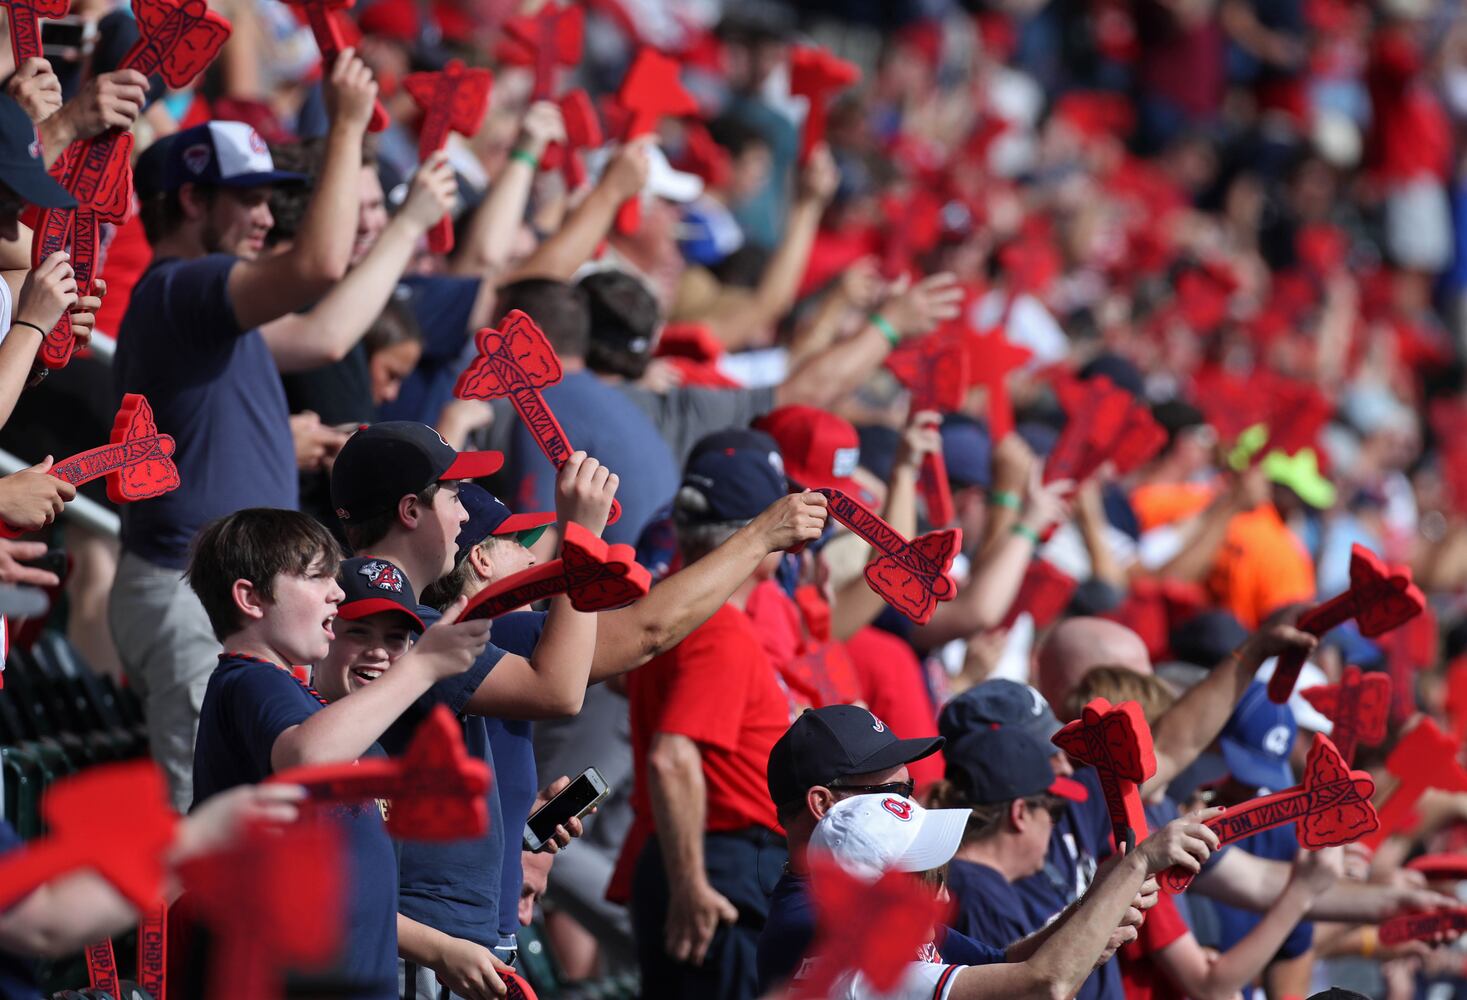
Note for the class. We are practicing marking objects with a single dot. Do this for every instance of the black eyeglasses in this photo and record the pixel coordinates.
(902, 788)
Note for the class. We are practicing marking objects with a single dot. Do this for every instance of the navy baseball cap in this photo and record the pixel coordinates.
(998, 704)
(490, 518)
(827, 744)
(730, 476)
(1207, 639)
(967, 451)
(222, 154)
(382, 463)
(373, 586)
(22, 163)
(999, 765)
(1257, 739)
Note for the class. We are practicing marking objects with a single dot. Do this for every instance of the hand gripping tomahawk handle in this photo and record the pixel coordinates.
(516, 363)
(321, 16)
(1331, 807)
(455, 99)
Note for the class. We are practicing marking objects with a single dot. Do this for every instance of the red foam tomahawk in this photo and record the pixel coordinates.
(516, 363)
(650, 93)
(321, 16)
(454, 99)
(273, 903)
(816, 75)
(935, 369)
(137, 462)
(1359, 707)
(130, 856)
(1431, 925)
(436, 790)
(1044, 593)
(1380, 598)
(546, 41)
(991, 357)
(1331, 807)
(582, 132)
(177, 39)
(25, 29)
(873, 929)
(1104, 423)
(596, 576)
(1425, 758)
(1116, 741)
(910, 576)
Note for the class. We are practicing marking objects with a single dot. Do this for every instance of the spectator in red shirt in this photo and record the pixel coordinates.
(706, 847)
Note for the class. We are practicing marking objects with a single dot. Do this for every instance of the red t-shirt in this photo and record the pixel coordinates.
(717, 688)
(816, 671)
(1140, 975)
(891, 676)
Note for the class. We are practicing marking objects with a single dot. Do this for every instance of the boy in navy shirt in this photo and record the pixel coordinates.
(395, 487)
(267, 580)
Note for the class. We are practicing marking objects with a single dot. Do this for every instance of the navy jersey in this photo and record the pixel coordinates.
(17, 974)
(247, 705)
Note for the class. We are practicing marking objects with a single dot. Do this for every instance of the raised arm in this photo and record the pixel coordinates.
(835, 372)
(777, 287)
(345, 729)
(1190, 726)
(46, 293)
(333, 326)
(573, 244)
(272, 286)
(630, 636)
(486, 247)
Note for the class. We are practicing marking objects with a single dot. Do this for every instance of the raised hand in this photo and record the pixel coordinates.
(49, 290)
(921, 307)
(351, 93)
(433, 193)
(792, 520)
(111, 100)
(36, 89)
(1183, 842)
(31, 499)
(584, 489)
(450, 647)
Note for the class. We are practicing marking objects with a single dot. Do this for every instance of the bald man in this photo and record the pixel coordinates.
(1079, 645)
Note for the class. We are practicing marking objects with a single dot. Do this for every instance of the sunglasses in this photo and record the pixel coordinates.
(902, 788)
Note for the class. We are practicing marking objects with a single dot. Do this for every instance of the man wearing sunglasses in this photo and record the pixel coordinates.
(828, 755)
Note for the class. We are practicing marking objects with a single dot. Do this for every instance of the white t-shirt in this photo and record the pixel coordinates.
(921, 981)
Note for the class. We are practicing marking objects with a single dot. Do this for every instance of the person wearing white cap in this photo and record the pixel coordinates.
(870, 835)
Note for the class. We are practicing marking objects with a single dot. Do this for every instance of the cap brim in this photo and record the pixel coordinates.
(517, 524)
(1069, 789)
(674, 185)
(937, 840)
(1251, 768)
(265, 178)
(473, 465)
(34, 186)
(352, 610)
(895, 755)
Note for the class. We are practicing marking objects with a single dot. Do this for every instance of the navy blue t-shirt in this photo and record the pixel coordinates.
(247, 705)
(441, 303)
(216, 389)
(790, 928)
(1081, 838)
(600, 420)
(988, 907)
(17, 974)
(453, 886)
(514, 756)
(1279, 844)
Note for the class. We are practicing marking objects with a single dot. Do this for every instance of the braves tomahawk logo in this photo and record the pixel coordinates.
(382, 575)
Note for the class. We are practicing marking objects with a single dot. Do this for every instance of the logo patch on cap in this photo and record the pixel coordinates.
(34, 149)
(1276, 741)
(383, 576)
(343, 513)
(877, 724)
(196, 157)
(846, 460)
(900, 808)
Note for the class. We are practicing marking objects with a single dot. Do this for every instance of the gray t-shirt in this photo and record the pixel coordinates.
(687, 414)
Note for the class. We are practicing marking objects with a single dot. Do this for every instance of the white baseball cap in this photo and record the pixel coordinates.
(869, 835)
(662, 180)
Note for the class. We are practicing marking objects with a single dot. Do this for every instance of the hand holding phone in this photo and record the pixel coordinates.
(573, 801)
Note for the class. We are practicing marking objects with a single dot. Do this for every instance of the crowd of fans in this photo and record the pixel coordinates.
(1247, 214)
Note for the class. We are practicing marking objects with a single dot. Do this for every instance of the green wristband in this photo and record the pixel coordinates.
(528, 159)
(1024, 531)
(887, 330)
(1003, 498)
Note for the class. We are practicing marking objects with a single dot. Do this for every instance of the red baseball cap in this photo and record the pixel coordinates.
(819, 448)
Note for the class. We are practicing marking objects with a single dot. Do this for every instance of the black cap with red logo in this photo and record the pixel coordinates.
(837, 741)
(382, 463)
(22, 165)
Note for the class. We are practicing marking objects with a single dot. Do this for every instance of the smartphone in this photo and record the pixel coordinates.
(54, 561)
(573, 802)
(67, 39)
